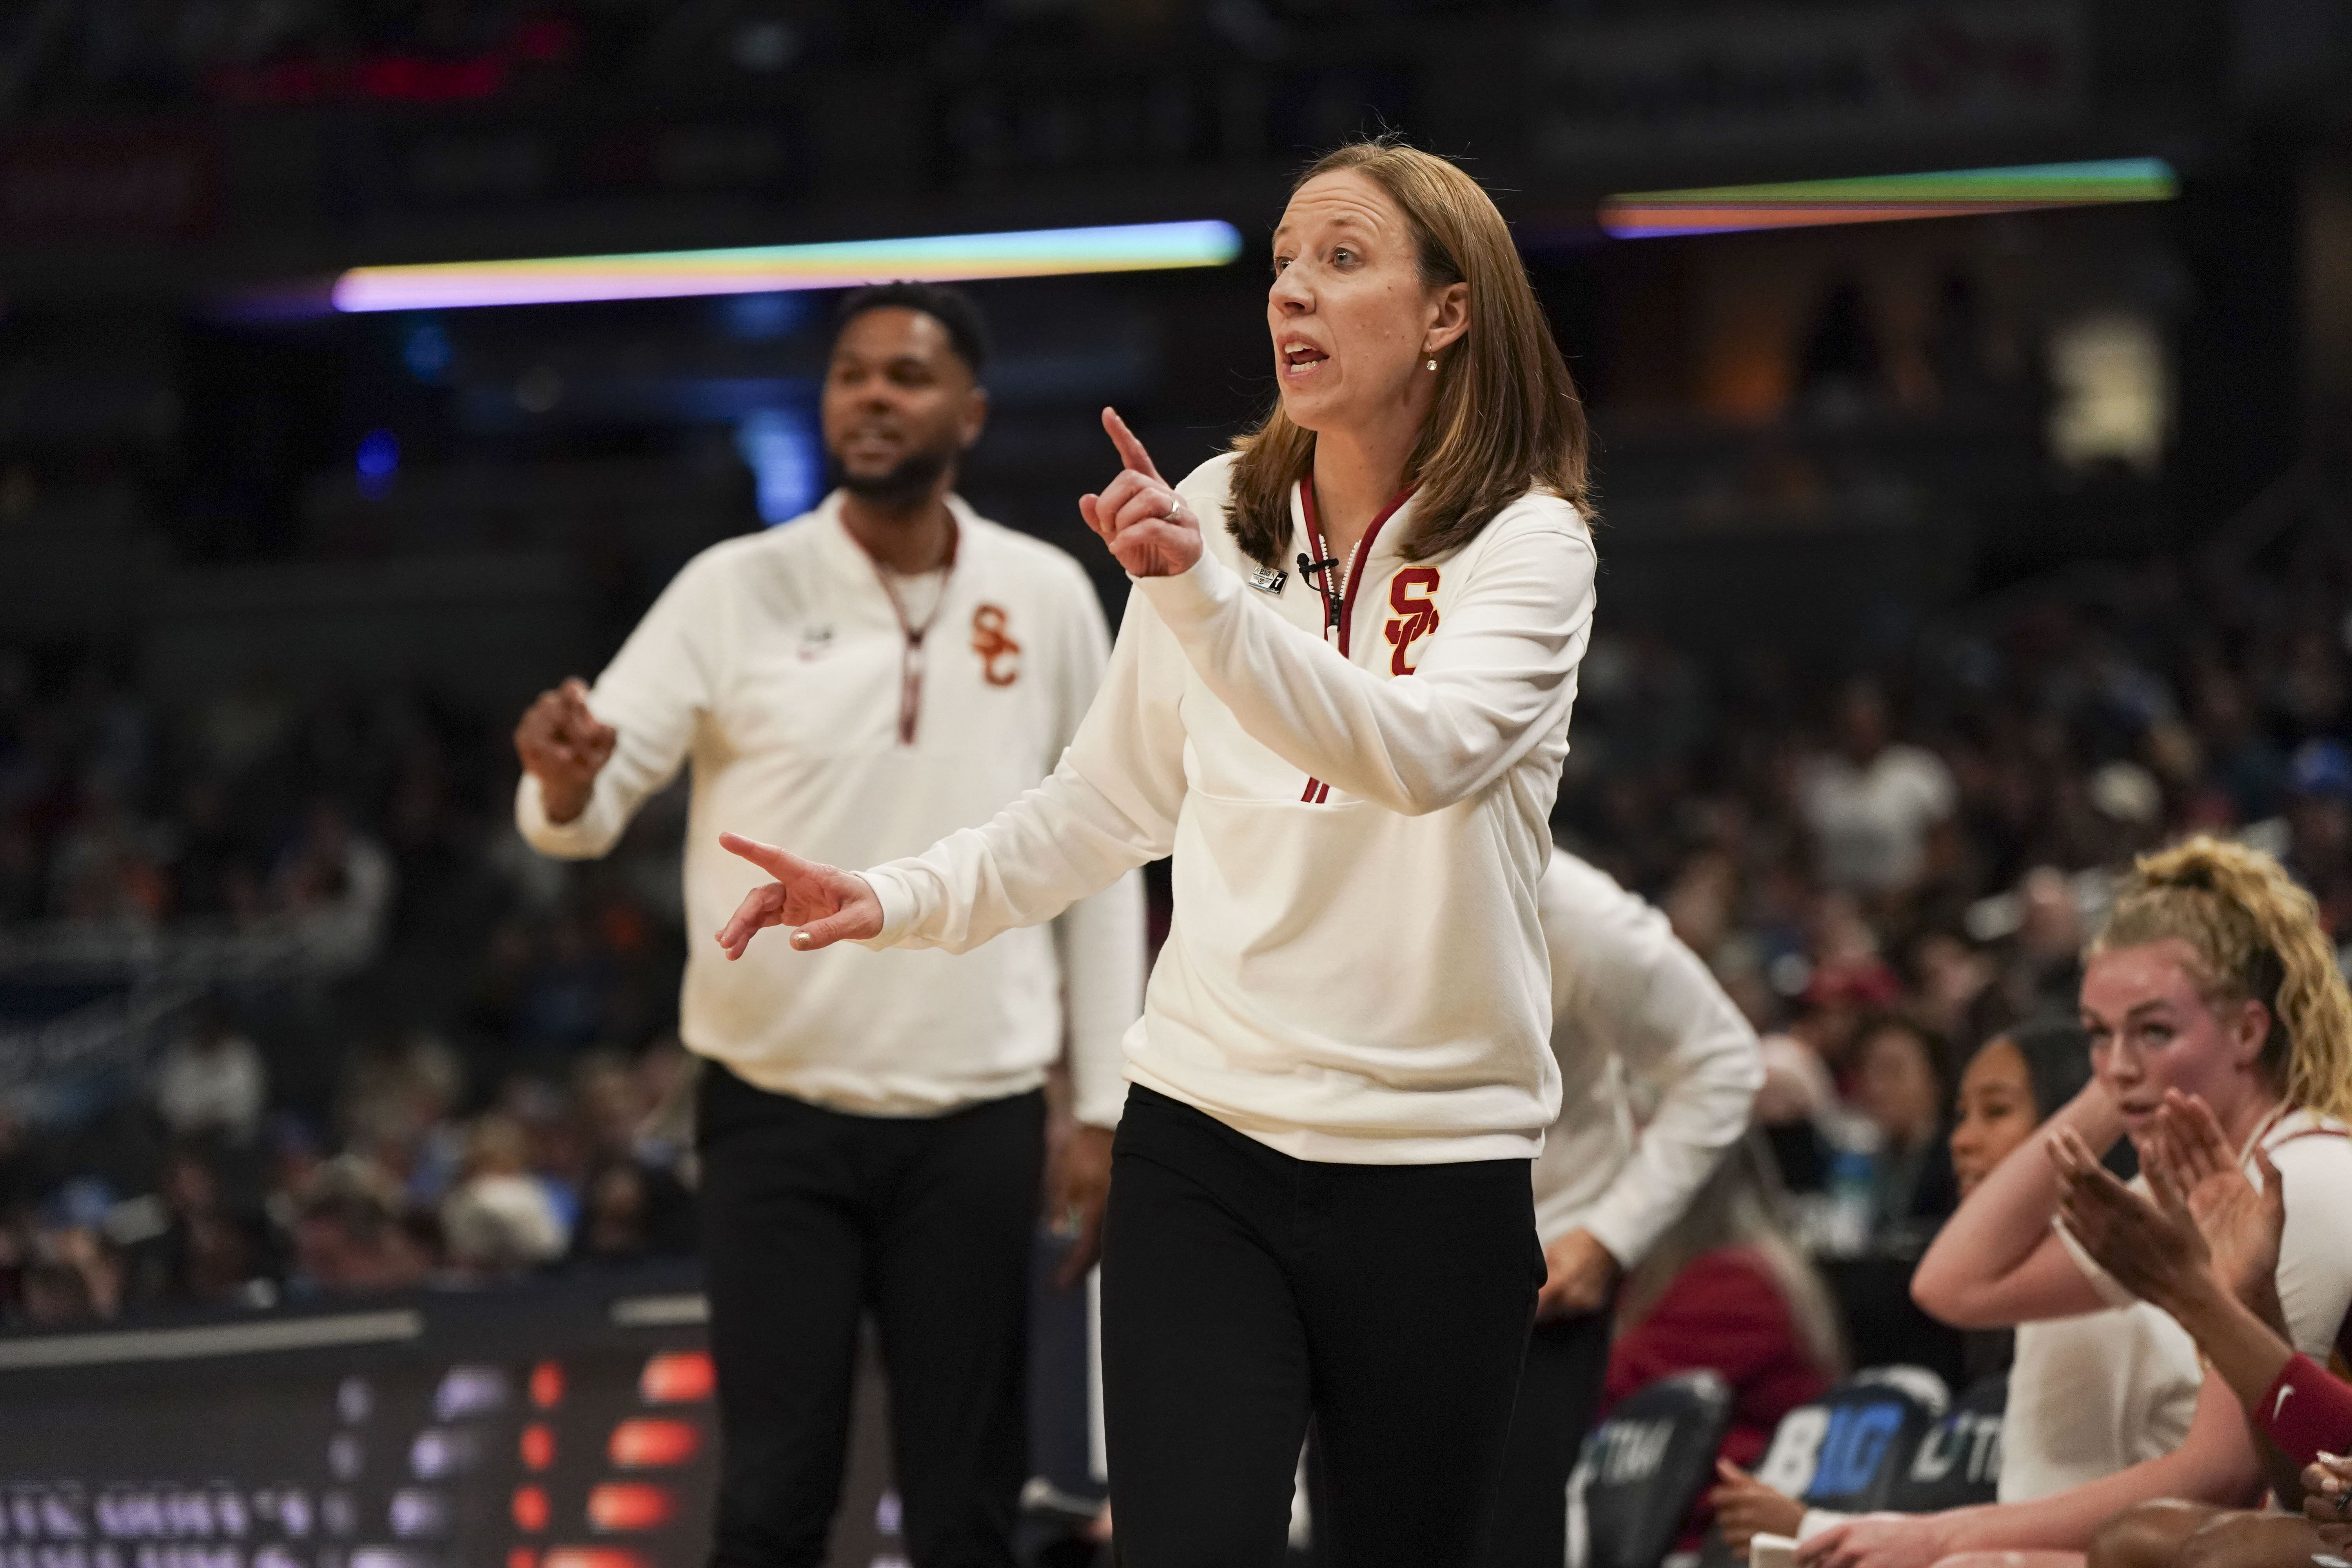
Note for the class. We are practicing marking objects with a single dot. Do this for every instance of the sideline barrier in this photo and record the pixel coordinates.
(559, 1425)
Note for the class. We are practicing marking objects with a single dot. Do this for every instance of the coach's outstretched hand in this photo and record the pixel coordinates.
(828, 904)
(1138, 514)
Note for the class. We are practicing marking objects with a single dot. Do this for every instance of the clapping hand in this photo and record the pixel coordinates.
(1140, 515)
(2206, 1219)
(2153, 1249)
(2241, 1225)
(826, 904)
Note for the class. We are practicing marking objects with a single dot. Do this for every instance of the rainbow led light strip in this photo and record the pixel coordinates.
(1887, 198)
(766, 268)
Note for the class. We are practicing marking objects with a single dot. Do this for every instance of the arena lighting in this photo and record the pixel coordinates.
(1887, 198)
(769, 268)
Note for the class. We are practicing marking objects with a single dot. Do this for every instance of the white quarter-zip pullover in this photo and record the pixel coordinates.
(1631, 1003)
(1359, 817)
(778, 665)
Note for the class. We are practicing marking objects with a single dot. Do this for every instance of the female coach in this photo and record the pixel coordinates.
(1340, 698)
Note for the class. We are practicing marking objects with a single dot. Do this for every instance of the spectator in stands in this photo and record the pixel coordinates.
(291, 1156)
(2244, 763)
(1873, 805)
(397, 1109)
(73, 1274)
(567, 991)
(2044, 968)
(632, 1203)
(337, 884)
(2213, 978)
(1808, 1065)
(1898, 1089)
(210, 1082)
(1727, 1289)
(207, 1251)
(667, 1073)
(349, 1235)
(2010, 1086)
(55, 1292)
(1953, 989)
(498, 1220)
(611, 1104)
(632, 1211)
(2319, 830)
(2215, 1271)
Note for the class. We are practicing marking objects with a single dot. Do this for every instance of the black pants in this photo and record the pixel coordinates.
(1560, 1389)
(1245, 1290)
(809, 1218)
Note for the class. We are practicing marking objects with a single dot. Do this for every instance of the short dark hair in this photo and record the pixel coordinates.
(953, 309)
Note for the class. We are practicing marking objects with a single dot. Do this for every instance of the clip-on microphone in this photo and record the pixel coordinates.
(1308, 570)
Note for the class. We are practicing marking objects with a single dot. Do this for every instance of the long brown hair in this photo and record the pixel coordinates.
(1743, 1205)
(1507, 418)
(2257, 936)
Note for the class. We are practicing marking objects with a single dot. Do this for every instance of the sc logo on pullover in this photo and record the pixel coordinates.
(1413, 595)
(999, 656)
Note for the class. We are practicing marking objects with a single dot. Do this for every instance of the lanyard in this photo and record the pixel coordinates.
(1325, 572)
(911, 661)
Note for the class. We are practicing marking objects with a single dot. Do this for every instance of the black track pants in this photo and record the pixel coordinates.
(1560, 1389)
(1245, 1290)
(809, 1218)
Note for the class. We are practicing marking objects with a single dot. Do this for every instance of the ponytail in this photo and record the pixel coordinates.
(2257, 936)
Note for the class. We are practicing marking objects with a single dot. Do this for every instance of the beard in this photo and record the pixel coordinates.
(904, 482)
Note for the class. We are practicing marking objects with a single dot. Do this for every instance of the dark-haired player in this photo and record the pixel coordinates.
(866, 679)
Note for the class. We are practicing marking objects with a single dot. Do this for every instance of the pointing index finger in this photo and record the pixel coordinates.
(1131, 450)
(767, 856)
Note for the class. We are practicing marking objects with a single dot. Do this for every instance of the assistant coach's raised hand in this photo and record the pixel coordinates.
(828, 904)
(1140, 515)
(564, 745)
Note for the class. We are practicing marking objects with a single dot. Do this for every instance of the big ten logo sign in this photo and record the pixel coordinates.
(1628, 1452)
(1413, 595)
(1969, 1442)
(1829, 1451)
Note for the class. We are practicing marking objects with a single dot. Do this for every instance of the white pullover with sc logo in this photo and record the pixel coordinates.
(1359, 817)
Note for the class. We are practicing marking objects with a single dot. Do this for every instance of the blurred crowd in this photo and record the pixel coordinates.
(1891, 864)
(475, 1075)
(392, 1046)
